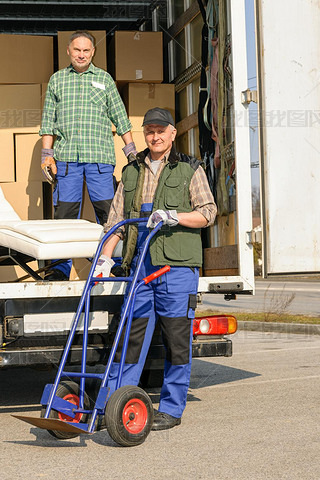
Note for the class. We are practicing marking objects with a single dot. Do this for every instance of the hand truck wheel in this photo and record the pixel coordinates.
(67, 391)
(129, 416)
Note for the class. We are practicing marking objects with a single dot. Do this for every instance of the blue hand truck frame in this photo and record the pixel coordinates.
(70, 429)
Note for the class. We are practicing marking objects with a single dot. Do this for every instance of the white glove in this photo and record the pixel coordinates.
(168, 217)
(103, 267)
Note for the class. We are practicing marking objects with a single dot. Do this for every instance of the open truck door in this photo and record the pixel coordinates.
(288, 57)
(226, 280)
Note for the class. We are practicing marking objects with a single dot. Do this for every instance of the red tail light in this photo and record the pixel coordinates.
(215, 325)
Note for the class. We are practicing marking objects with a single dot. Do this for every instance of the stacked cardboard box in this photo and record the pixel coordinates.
(19, 113)
(140, 97)
(136, 56)
(27, 63)
(26, 58)
(135, 60)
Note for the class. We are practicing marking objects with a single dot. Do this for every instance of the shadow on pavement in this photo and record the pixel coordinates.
(205, 374)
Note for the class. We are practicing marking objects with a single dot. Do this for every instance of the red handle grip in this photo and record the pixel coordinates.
(156, 274)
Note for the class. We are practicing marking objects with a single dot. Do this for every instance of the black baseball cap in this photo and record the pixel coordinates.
(158, 116)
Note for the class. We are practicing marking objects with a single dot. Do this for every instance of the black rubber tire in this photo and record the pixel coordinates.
(129, 400)
(66, 388)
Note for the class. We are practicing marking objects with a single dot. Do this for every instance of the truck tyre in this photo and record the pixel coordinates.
(129, 416)
(68, 391)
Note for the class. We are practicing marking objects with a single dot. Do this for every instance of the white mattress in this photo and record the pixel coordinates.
(51, 239)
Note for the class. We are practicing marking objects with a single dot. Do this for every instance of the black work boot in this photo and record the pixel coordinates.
(164, 421)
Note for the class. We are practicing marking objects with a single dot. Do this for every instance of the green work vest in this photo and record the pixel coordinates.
(175, 246)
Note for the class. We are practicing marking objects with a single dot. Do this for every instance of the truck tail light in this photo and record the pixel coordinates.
(215, 325)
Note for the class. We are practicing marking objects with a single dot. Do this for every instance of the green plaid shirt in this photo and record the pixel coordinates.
(79, 109)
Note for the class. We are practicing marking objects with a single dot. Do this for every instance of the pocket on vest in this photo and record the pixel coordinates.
(173, 192)
(179, 247)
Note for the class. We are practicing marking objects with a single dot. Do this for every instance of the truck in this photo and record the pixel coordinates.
(35, 316)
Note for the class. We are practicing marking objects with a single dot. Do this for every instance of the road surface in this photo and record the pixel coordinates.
(295, 297)
(252, 416)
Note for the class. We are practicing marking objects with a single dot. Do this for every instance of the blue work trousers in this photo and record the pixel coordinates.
(67, 194)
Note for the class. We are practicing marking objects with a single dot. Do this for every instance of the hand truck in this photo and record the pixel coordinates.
(128, 412)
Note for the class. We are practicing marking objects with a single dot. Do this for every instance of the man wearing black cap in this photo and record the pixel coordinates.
(170, 187)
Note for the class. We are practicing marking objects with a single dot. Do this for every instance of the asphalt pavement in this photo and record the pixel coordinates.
(254, 416)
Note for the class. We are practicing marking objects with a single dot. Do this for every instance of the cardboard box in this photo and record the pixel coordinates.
(121, 160)
(26, 58)
(7, 151)
(80, 269)
(28, 155)
(26, 198)
(10, 273)
(136, 57)
(20, 106)
(19, 113)
(6, 156)
(43, 94)
(100, 56)
(140, 97)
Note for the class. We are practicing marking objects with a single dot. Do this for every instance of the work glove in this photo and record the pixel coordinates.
(168, 217)
(48, 164)
(130, 151)
(103, 267)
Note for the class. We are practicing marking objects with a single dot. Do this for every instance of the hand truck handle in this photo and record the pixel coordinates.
(156, 274)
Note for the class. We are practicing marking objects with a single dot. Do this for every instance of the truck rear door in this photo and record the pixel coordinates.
(241, 281)
(288, 46)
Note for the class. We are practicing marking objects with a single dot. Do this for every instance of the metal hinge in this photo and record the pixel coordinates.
(249, 96)
(249, 237)
(254, 236)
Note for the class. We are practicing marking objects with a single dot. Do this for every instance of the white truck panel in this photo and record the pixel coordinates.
(60, 323)
(242, 143)
(289, 95)
(57, 289)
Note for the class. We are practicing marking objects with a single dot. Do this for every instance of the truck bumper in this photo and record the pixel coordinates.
(99, 354)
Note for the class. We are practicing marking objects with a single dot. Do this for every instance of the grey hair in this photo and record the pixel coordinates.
(82, 33)
(172, 127)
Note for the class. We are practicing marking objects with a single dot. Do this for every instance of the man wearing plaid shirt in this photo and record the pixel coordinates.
(81, 104)
(170, 187)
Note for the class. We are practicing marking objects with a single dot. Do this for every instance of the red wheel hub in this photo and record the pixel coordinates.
(135, 416)
(71, 398)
